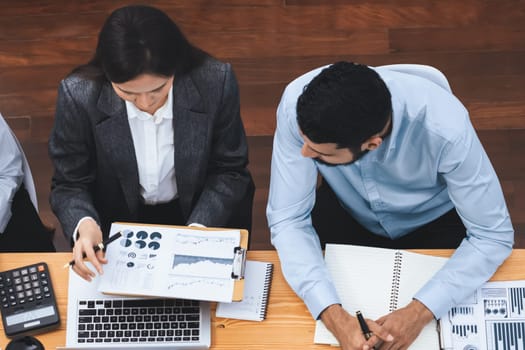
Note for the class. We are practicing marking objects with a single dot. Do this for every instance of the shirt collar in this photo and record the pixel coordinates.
(389, 143)
(164, 112)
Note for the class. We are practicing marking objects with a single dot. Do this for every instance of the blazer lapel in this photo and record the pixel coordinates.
(190, 135)
(114, 135)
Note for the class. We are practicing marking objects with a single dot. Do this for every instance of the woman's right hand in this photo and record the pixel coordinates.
(89, 236)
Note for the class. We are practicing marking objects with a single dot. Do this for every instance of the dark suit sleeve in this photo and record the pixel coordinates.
(227, 196)
(72, 152)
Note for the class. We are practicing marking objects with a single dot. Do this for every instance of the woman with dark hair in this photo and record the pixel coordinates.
(148, 131)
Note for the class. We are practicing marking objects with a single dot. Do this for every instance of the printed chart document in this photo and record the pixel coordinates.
(377, 281)
(175, 262)
(492, 318)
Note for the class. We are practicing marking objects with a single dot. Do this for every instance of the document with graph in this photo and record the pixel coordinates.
(492, 318)
(175, 262)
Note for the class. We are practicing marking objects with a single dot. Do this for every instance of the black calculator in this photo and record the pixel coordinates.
(27, 300)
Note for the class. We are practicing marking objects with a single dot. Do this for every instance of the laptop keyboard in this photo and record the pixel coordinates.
(138, 321)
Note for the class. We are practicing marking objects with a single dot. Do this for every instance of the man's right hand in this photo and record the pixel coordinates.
(346, 329)
(89, 235)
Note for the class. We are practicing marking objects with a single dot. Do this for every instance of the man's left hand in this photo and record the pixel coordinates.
(405, 324)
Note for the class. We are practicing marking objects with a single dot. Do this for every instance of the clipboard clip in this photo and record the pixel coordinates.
(239, 263)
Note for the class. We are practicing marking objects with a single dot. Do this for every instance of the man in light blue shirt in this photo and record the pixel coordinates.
(400, 154)
(21, 229)
(11, 172)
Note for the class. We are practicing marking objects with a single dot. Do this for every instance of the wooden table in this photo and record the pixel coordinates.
(288, 324)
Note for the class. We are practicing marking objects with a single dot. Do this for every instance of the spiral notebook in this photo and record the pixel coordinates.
(257, 282)
(377, 281)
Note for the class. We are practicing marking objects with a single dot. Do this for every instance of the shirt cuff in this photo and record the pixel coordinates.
(432, 296)
(74, 237)
(321, 296)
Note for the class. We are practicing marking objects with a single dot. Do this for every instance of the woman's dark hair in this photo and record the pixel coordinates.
(345, 104)
(138, 40)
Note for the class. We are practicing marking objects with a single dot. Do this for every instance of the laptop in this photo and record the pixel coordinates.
(108, 322)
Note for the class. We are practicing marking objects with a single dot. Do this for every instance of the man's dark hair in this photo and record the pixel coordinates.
(345, 104)
(137, 40)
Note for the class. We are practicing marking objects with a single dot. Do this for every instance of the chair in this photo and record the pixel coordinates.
(423, 71)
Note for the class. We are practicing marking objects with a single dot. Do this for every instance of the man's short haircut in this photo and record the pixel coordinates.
(345, 104)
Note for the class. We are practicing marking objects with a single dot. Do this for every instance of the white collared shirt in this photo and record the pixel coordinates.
(154, 149)
(153, 140)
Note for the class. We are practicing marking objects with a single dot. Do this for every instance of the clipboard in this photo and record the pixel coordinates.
(239, 262)
(109, 285)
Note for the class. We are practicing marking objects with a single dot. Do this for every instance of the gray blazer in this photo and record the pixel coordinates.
(94, 158)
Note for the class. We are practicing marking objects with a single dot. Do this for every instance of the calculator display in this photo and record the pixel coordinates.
(29, 316)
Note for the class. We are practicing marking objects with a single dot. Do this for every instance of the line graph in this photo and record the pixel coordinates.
(201, 266)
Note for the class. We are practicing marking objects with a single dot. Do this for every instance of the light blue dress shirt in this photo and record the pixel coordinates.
(432, 161)
(11, 172)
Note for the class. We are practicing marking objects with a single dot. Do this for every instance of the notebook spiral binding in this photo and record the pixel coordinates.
(266, 290)
(396, 276)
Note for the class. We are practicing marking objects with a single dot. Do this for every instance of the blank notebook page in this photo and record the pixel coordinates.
(417, 269)
(366, 279)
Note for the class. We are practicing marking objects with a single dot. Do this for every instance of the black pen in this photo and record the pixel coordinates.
(364, 326)
(98, 247)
